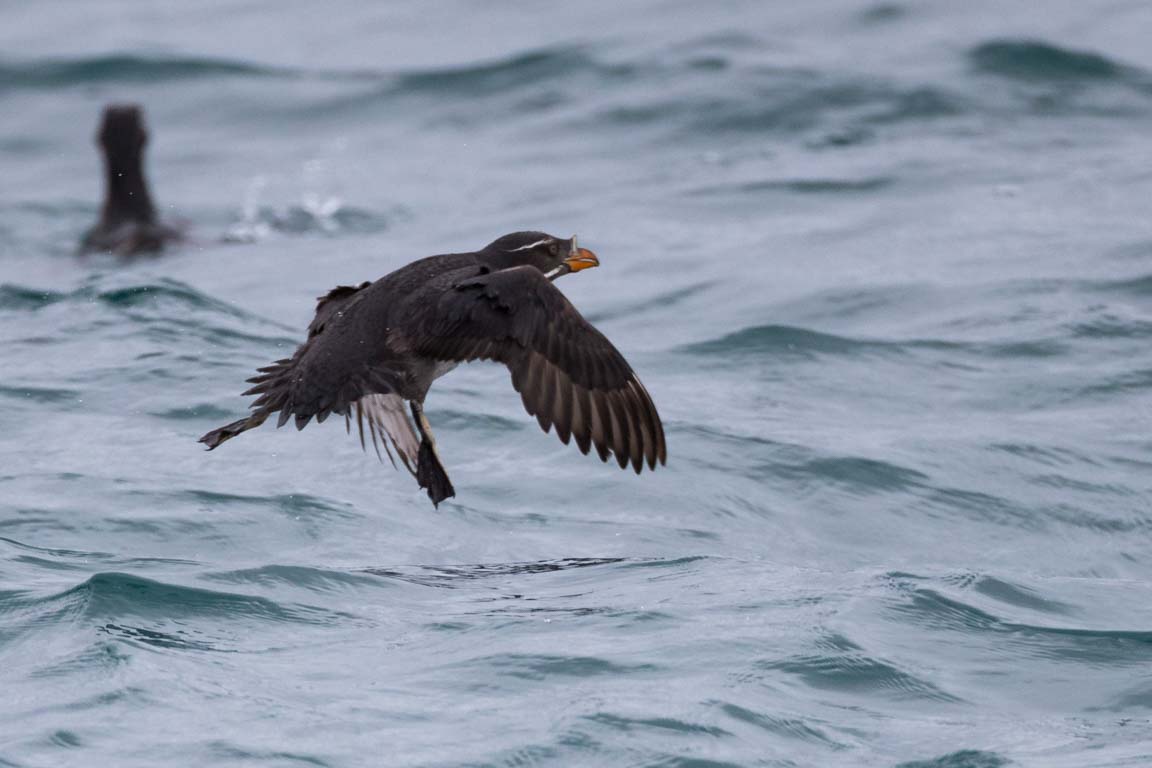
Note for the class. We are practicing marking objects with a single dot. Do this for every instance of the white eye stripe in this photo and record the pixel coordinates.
(531, 245)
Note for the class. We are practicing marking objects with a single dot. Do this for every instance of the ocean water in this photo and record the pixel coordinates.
(886, 270)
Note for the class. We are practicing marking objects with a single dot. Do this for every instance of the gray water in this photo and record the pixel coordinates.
(885, 269)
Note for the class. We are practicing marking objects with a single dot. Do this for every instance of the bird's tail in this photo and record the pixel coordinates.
(229, 431)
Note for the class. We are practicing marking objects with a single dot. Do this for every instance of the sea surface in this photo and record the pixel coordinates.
(886, 269)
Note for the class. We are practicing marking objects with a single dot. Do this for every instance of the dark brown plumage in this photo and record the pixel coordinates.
(373, 346)
(128, 224)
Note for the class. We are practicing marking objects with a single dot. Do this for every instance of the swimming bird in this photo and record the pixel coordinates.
(128, 223)
(372, 347)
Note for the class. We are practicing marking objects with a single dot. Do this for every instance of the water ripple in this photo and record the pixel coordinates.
(116, 595)
(668, 724)
(455, 576)
(538, 667)
(528, 68)
(791, 341)
(124, 68)
(793, 728)
(33, 394)
(1038, 60)
(314, 579)
(816, 186)
(1111, 647)
(966, 758)
(843, 666)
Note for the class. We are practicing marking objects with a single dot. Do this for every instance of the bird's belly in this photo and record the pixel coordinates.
(419, 376)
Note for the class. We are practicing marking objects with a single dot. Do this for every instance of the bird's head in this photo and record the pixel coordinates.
(553, 256)
(122, 135)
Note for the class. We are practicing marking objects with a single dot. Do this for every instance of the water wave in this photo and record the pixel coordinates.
(164, 314)
(160, 292)
(1140, 285)
(294, 505)
(844, 666)
(539, 667)
(837, 109)
(1020, 596)
(965, 758)
(455, 576)
(24, 297)
(125, 68)
(787, 727)
(155, 613)
(858, 474)
(314, 579)
(798, 186)
(116, 595)
(833, 109)
(931, 608)
(1044, 78)
(670, 725)
(43, 395)
(180, 639)
(194, 412)
(57, 558)
(794, 341)
(1039, 60)
(233, 754)
(484, 79)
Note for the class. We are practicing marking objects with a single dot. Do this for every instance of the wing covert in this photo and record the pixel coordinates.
(568, 374)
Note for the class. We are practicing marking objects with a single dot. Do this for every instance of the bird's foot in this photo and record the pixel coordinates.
(430, 474)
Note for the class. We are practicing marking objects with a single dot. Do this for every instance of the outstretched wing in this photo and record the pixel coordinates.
(342, 367)
(567, 373)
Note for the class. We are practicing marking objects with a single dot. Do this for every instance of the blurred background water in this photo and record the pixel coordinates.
(885, 268)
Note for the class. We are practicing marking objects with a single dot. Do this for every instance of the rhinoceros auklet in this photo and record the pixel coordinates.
(373, 346)
(128, 224)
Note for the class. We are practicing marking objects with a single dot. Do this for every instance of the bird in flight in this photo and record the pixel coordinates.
(372, 347)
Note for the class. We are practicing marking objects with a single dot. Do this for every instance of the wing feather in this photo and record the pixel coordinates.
(342, 365)
(619, 428)
(568, 374)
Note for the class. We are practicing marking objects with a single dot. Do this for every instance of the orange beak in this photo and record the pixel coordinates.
(581, 258)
